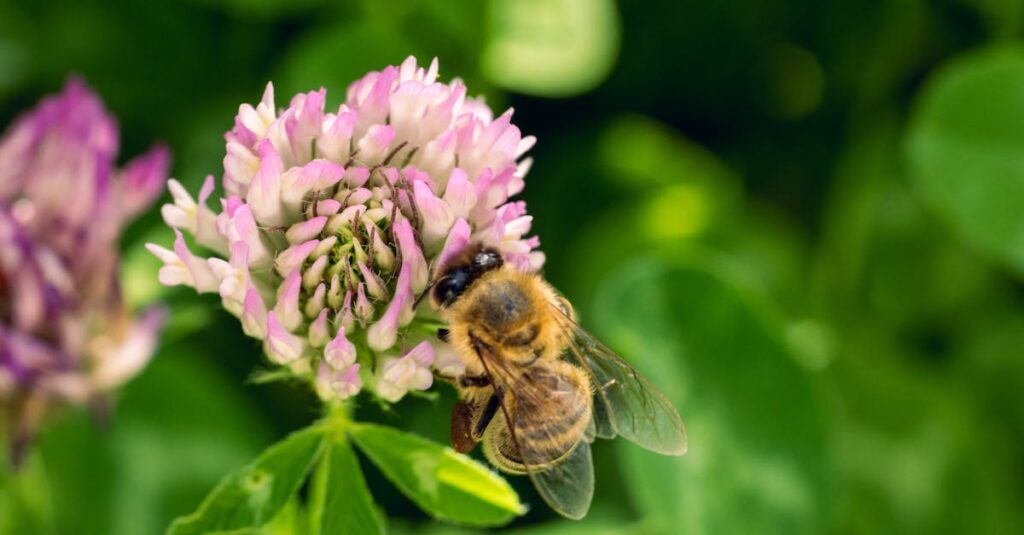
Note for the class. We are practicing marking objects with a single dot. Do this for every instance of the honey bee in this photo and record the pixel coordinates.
(537, 388)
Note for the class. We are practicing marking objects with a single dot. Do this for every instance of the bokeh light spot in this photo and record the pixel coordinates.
(553, 48)
(678, 211)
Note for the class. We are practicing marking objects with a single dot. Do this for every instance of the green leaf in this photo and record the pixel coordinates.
(341, 502)
(446, 484)
(876, 236)
(290, 520)
(756, 439)
(551, 48)
(253, 495)
(966, 147)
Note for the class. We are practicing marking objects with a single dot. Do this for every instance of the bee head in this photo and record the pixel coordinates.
(461, 274)
(486, 260)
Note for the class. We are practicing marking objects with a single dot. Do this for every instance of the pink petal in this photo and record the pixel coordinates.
(241, 226)
(327, 207)
(383, 256)
(298, 182)
(374, 286)
(315, 304)
(356, 177)
(202, 278)
(287, 307)
(292, 258)
(383, 334)
(206, 190)
(282, 346)
(460, 193)
(338, 384)
(363, 310)
(411, 254)
(306, 230)
(344, 319)
(127, 358)
(334, 142)
(319, 332)
(422, 354)
(142, 180)
(254, 315)
(314, 274)
(334, 291)
(340, 353)
(437, 215)
(374, 145)
(265, 191)
(457, 240)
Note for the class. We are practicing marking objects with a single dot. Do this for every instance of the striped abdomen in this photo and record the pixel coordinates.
(551, 407)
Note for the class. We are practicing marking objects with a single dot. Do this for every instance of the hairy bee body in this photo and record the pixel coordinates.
(548, 429)
(509, 311)
(511, 314)
(537, 388)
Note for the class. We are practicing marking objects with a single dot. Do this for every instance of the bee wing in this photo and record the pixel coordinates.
(591, 433)
(566, 486)
(625, 403)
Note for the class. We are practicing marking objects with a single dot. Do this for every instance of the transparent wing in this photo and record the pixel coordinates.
(568, 487)
(561, 470)
(625, 403)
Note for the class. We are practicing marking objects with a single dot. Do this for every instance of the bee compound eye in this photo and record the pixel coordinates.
(451, 286)
(443, 290)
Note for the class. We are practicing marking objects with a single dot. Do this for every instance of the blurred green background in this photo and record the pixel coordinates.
(804, 220)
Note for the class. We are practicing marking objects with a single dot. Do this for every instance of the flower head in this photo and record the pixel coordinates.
(65, 335)
(332, 222)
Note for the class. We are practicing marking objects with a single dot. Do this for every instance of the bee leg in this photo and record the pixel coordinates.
(470, 420)
(443, 335)
(490, 409)
(479, 381)
(462, 424)
(445, 378)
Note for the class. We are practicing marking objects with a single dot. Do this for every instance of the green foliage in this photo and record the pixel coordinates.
(803, 221)
(551, 48)
(444, 483)
(324, 58)
(262, 495)
(155, 459)
(341, 503)
(24, 499)
(967, 148)
(255, 494)
(708, 340)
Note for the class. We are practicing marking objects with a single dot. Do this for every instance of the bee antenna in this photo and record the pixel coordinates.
(426, 292)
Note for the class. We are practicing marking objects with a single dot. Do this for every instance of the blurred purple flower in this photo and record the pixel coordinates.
(65, 335)
(332, 222)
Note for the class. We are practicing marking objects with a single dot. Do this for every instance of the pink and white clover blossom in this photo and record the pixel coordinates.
(65, 334)
(332, 222)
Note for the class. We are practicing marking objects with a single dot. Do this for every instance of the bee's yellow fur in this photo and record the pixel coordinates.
(520, 322)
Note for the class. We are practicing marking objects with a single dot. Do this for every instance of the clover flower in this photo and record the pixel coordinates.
(65, 334)
(332, 223)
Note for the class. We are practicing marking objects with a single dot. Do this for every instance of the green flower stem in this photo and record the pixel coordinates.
(337, 420)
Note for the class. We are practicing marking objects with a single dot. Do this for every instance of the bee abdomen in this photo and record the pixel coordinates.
(559, 427)
(539, 443)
